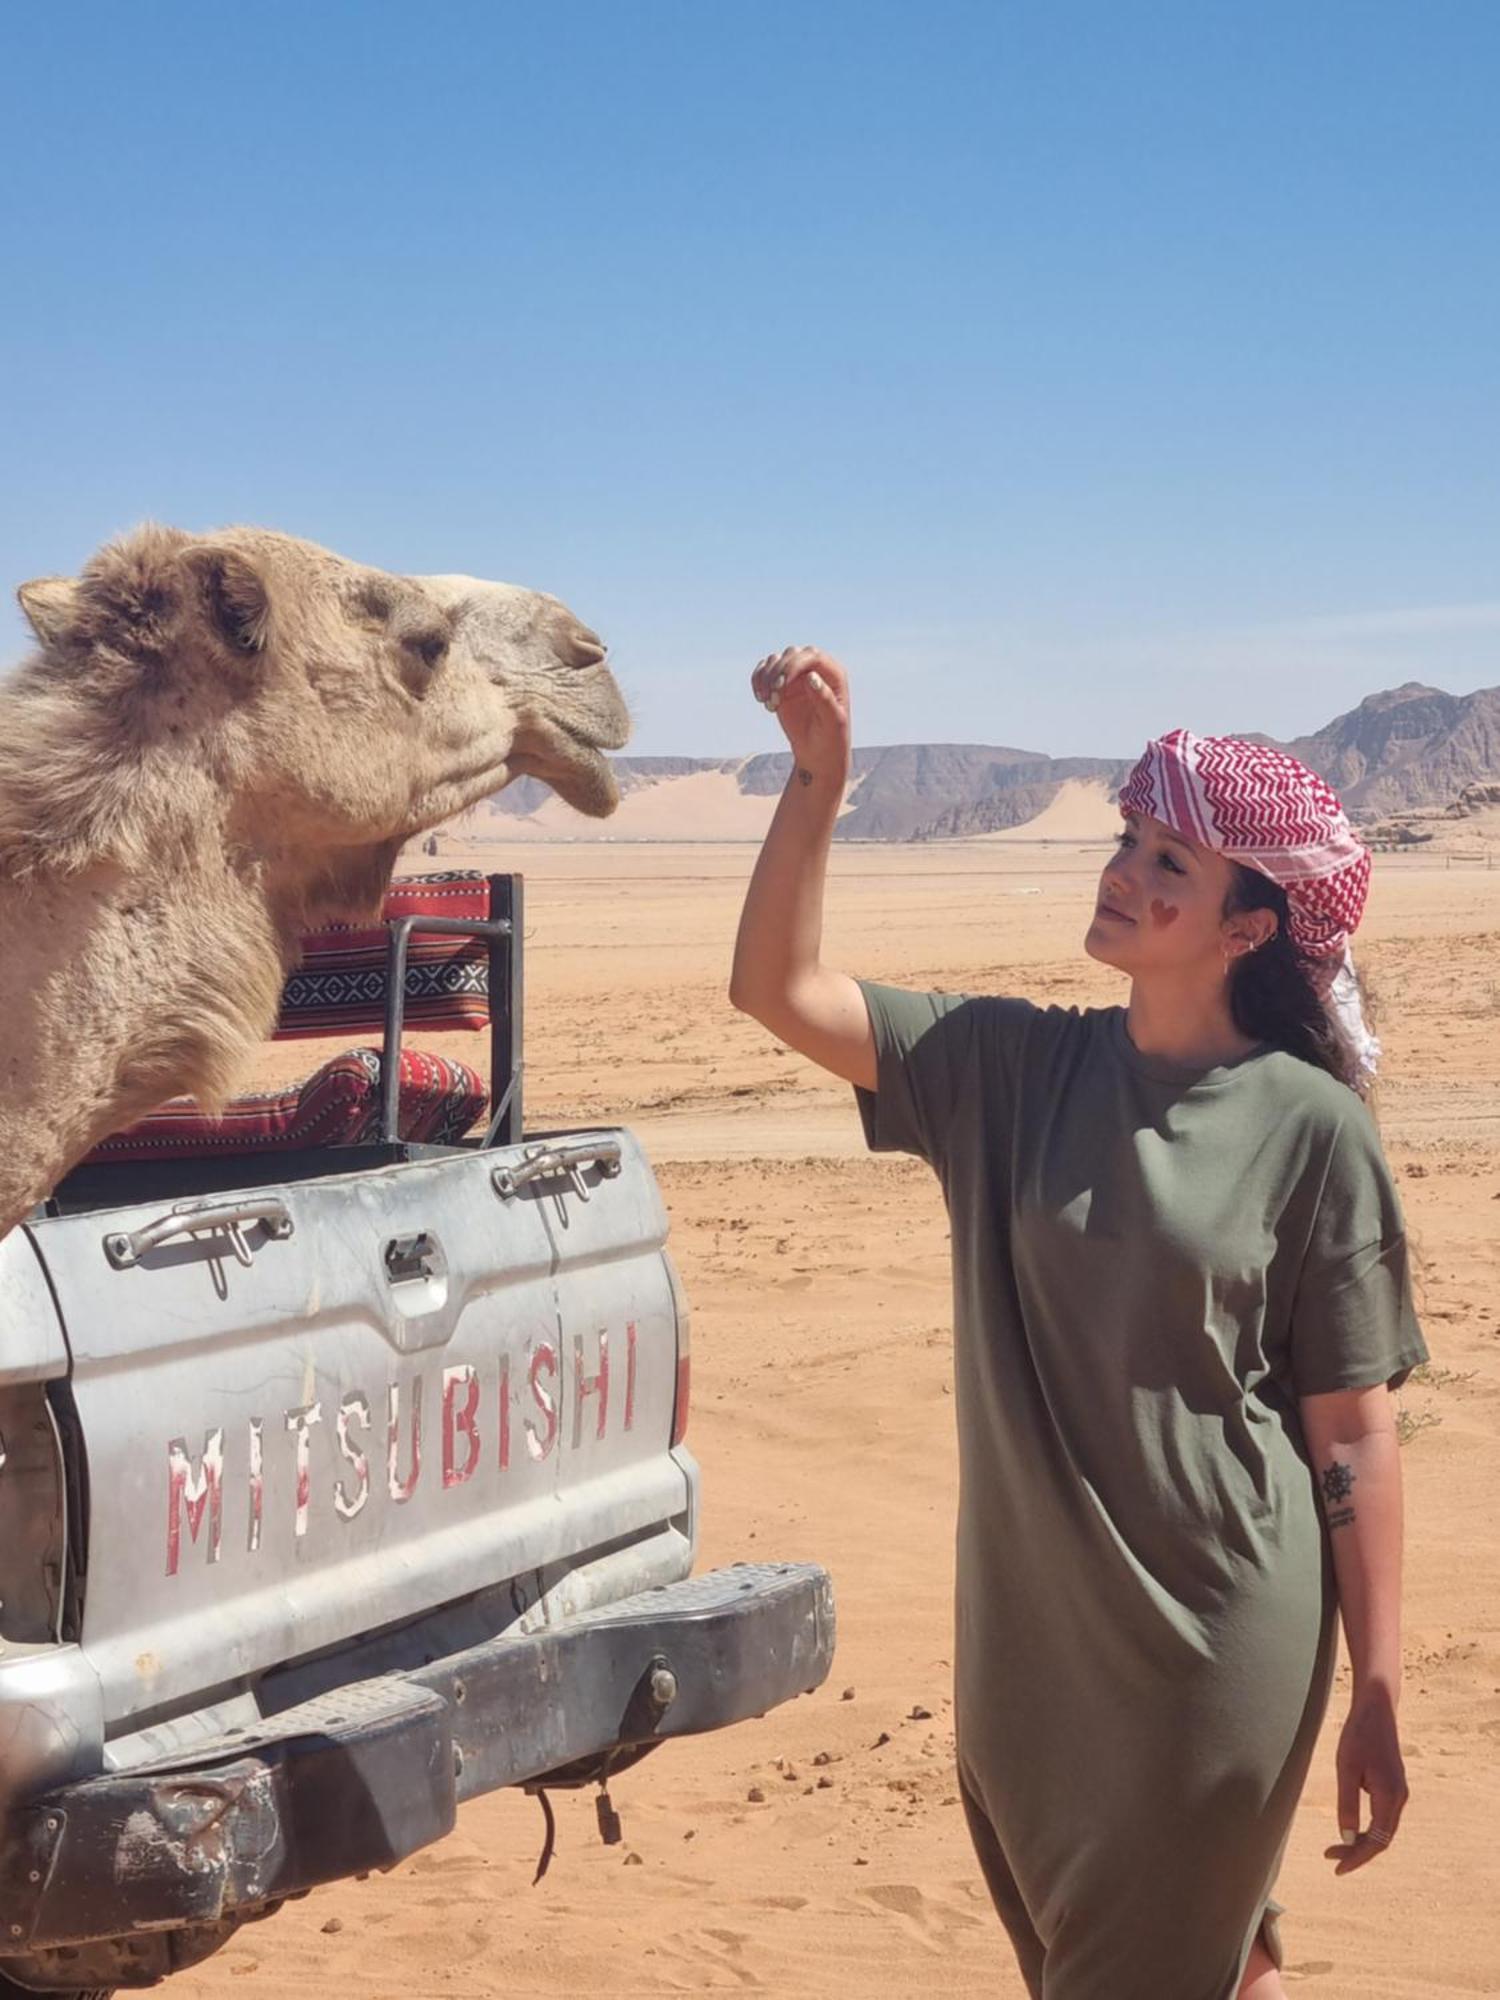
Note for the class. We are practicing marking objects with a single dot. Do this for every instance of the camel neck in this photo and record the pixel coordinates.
(117, 993)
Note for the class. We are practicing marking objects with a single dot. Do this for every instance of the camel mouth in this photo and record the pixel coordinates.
(584, 779)
(596, 733)
(563, 756)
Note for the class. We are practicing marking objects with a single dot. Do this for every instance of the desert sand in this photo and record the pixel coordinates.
(821, 1851)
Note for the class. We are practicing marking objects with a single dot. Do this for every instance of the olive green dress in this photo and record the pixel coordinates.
(1151, 1266)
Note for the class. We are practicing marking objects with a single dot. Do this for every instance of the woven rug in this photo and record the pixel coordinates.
(339, 1105)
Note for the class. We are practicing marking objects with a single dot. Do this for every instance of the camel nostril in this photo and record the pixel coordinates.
(585, 648)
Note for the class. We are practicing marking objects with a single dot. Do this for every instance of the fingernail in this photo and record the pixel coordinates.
(773, 700)
(780, 679)
(1348, 1837)
(815, 681)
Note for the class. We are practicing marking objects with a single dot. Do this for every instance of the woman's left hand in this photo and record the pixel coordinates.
(1369, 1760)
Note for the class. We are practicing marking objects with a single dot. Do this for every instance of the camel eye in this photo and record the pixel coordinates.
(424, 651)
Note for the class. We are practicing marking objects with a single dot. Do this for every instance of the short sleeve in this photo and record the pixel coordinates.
(944, 1062)
(1353, 1322)
(923, 1044)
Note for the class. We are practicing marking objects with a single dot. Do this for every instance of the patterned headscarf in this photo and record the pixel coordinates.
(1267, 811)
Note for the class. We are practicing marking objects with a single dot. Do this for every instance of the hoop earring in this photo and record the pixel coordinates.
(1232, 958)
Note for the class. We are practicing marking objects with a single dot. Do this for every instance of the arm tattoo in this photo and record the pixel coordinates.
(804, 775)
(1338, 1483)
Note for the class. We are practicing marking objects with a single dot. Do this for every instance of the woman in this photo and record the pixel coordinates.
(1181, 1299)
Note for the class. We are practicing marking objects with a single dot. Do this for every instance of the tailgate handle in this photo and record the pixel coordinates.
(543, 1162)
(126, 1249)
(420, 1256)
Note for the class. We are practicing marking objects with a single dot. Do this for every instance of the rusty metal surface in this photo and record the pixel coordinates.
(343, 1786)
(357, 1778)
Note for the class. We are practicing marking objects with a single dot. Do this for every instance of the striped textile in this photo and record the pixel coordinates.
(339, 1105)
(1266, 810)
(339, 987)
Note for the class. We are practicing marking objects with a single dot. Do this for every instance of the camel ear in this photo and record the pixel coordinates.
(49, 603)
(234, 596)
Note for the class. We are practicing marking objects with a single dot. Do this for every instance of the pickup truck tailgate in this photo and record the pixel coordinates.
(329, 1406)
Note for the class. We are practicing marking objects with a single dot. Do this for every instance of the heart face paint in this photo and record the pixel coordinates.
(1164, 915)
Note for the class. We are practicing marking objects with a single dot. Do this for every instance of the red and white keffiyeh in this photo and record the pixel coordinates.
(1268, 811)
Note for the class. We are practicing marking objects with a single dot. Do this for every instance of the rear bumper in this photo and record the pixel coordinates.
(359, 1778)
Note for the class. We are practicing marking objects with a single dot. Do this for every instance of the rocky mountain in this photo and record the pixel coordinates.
(926, 791)
(908, 791)
(1408, 749)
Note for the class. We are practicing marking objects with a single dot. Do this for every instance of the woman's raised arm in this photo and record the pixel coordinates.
(779, 977)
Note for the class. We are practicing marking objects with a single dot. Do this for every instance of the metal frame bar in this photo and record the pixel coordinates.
(507, 1003)
(503, 930)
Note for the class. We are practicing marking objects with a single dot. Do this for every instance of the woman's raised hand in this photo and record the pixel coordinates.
(779, 976)
(808, 692)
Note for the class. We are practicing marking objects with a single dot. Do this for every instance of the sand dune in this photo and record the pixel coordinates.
(1083, 810)
(707, 805)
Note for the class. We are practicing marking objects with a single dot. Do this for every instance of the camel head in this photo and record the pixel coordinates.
(319, 711)
(566, 704)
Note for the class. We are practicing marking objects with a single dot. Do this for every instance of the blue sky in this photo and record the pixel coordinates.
(1072, 370)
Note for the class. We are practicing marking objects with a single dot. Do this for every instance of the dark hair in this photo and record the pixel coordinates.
(1272, 994)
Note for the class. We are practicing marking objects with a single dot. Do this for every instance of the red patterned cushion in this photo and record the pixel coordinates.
(337, 1106)
(340, 984)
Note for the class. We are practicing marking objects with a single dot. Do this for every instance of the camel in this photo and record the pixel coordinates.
(221, 741)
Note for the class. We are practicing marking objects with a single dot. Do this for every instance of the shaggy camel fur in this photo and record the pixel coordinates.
(222, 741)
